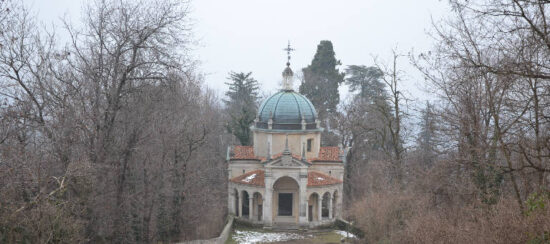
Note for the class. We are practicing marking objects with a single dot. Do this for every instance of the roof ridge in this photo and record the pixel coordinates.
(265, 102)
(299, 108)
(277, 104)
(310, 105)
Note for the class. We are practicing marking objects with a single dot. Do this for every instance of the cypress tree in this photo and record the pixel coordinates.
(322, 79)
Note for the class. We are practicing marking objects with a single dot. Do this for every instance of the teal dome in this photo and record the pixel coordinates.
(287, 109)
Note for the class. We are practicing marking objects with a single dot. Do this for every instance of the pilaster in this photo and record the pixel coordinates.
(250, 207)
(319, 208)
(268, 203)
(302, 219)
(330, 207)
(240, 214)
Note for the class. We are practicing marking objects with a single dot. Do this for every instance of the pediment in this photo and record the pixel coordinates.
(286, 161)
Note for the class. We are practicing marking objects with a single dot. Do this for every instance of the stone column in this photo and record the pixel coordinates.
(268, 198)
(307, 208)
(330, 207)
(319, 208)
(302, 219)
(240, 193)
(250, 207)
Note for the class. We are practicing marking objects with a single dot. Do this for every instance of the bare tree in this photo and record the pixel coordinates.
(112, 133)
(490, 65)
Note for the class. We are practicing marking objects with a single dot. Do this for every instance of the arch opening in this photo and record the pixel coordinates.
(245, 203)
(313, 207)
(325, 205)
(285, 199)
(257, 207)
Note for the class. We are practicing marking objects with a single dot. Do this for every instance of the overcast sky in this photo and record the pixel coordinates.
(249, 35)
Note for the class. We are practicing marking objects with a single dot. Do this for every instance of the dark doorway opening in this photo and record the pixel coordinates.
(236, 203)
(260, 212)
(285, 204)
(246, 208)
(324, 205)
(310, 213)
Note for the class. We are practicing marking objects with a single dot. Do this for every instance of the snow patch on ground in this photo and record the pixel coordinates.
(249, 178)
(249, 237)
(345, 234)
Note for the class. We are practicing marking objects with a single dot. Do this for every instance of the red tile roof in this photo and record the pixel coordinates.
(255, 177)
(244, 152)
(319, 179)
(328, 154)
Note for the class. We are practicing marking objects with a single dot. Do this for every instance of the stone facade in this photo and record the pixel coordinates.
(286, 178)
(255, 186)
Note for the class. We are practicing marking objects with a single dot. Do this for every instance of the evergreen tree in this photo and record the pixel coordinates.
(322, 79)
(426, 136)
(242, 104)
(366, 80)
(373, 99)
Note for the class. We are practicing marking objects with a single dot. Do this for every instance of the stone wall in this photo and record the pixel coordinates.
(278, 141)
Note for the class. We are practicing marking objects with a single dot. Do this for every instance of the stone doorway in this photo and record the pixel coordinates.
(285, 200)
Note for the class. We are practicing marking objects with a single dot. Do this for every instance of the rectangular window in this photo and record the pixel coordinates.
(309, 144)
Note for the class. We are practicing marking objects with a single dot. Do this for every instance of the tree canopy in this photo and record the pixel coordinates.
(322, 79)
(242, 105)
(366, 80)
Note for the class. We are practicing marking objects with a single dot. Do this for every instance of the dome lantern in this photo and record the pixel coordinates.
(287, 110)
(288, 75)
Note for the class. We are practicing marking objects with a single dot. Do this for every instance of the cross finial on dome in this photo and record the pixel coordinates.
(288, 49)
(287, 73)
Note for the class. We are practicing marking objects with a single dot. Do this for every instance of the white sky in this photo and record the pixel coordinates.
(249, 35)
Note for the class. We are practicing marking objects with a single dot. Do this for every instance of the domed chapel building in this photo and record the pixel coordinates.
(286, 178)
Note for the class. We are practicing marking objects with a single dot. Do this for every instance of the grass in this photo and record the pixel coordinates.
(322, 237)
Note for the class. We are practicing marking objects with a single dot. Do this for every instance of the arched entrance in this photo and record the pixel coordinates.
(313, 207)
(257, 208)
(245, 202)
(326, 205)
(285, 200)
